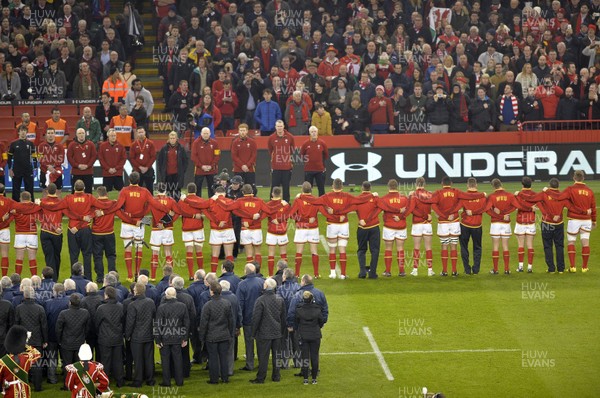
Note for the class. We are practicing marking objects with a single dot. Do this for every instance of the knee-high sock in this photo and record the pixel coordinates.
(33, 266)
(495, 258)
(444, 260)
(153, 265)
(189, 259)
(19, 266)
(453, 259)
(169, 260)
(429, 258)
(571, 252)
(521, 255)
(416, 258)
(258, 259)
(387, 258)
(585, 256)
(214, 263)
(315, 263)
(4, 266)
(199, 258)
(343, 263)
(506, 255)
(138, 261)
(530, 253)
(332, 261)
(271, 264)
(284, 257)
(298, 263)
(401, 261)
(128, 264)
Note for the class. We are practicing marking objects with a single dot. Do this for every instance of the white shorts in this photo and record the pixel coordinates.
(129, 231)
(191, 237)
(5, 236)
(338, 231)
(162, 237)
(393, 234)
(578, 227)
(500, 229)
(277, 240)
(306, 235)
(422, 229)
(251, 237)
(28, 241)
(525, 229)
(447, 229)
(222, 237)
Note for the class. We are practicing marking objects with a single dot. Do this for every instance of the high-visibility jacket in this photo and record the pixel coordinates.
(117, 90)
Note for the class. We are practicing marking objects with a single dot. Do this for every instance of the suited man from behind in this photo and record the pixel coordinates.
(236, 310)
(138, 330)
(71, 330)
(91, 301)
(248, 291)
(109, 324)
(171, 331)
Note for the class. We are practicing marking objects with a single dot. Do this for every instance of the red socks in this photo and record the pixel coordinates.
(401, 261)
(33, 267)
(571, 252)
(387, 257)
(128, 263)
(444, 260)
(416, 258)
(429, 258)
(271, 264)
(258, 259)
(138, 261)
(4, 266)
(453, 260)
(200, 259)
(154, 265)
(214, 263)
(506, 255)
(315, 262)
(495, 258)
(343, 263)
(530, 253)
(521, 254)
(585, 256)
(332, 261)
(298, 263)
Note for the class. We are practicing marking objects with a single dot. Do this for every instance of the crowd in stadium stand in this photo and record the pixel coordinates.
(384, 65)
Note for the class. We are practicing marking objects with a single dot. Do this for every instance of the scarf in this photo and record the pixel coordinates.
(293, 122)
(515, 105)
(463, 109)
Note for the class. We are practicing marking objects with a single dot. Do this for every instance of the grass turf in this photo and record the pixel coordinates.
(485, 335)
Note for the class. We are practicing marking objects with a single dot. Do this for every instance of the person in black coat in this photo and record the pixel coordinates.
(216, 330)
(590, 108)
(91, 301)
(458, 104)
(533, 110)
(308, 323)
(172, 327)
(568, 108)
(250, 87)
(109, 324)
(71, 329)
(483, 112)
(7, 318)
(236, 310)
(138, 330)
(172, 173)
(181, 104)
(356, 115)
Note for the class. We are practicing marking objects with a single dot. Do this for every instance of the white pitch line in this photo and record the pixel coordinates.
(378, 354)
(482, 350)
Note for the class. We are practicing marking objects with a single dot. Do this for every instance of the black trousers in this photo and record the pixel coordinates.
(173, 189)
(249, 343)
(27, 181)
(88, 180)
(370, 237)
(112, 359)
(114, 182)
(310, 350)
(237, 230)
(281, 178)
(185, 360)
(316, 178)
(218, 362)
(44, 183)
(249, 178)
(36, 373)
(104, 245)
(50, 358)
(554, 234)
(68, 357)
(467, 233)
(147, 180)
(170, 356)
(52, 246)
(81, 241)
(264, 348)
(210, 180)
(143, 360)
(128, 360)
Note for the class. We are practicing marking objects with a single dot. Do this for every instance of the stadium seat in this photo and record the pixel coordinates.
(45, 111)
(219, 133)
(71, 122)
(18, 110)
(7, 134)
(6, 111)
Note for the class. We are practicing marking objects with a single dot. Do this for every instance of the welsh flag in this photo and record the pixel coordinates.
(437, 14)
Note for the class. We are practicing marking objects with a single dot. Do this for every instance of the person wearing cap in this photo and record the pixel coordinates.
(243, 155)
(438, 112)
(330, 66)
(15, 365)
(205, 155)
(167, 12)
(490, 53)
(233, 192)
(86, 378)
(382, 113)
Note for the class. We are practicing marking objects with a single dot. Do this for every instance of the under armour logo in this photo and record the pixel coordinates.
(339, 160)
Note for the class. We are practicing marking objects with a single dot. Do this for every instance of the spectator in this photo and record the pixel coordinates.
(382, 113)
(248, 292)
(138, 90)
(549, 94)
(568, 108)
(356, 115)
(267, 113)
(533, 110)
(508, 110)
(139, 113)
(54, 81)
(90, 125)
(483, 113)
(438, 112)
(321, 119)
(297, 115)
(181, 103)
(227, 102)
(339, 95)
(85, 84)
(249, 92)
(105, 111)
(458, 106)
(10, 84)
(172, 162)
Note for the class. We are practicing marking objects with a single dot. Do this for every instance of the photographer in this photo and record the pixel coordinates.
(438, 111)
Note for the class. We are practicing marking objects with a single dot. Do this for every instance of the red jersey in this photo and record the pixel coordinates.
(581, 198)
(51, 155)
(6, 205)
(422, 211)
(503, 201)
(217, 214)
(368, 211)
(25, 360)
(112, 156)
(205, 153)
(302, 212)
(281, 214)
(476, 206)
(445, 202)
(281, 150)
(142, 154)
(170, 204)
(95, 372)
(524, 216)
(51, 221)
(243, 152)
(81, 153)
(80, 204)
(552, 209)
(135, 200)
(314, 154)
(340, 202)
(3, 158)
(105, 225)
(27, 213)
(245, 208)
(396, 207)
(186, 210)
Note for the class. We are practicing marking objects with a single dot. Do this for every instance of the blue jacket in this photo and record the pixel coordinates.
(266, 114)
(80, 283)
(233, 280)
(162, 285)
(195, 290)
(318, 297)
(287, 291)
(152, 293)
(248, 291)
(236, 310)
(53, 308)
(47, 284)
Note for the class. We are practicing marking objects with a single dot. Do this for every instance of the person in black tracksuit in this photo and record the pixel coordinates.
(138, 329)
(171, 332)
(71, 329)
(109, 324)
(22, 161)
(309, 321)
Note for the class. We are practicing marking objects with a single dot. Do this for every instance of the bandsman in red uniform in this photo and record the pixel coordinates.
(581, 198)
(314, 152)
(205, 155)
(277, 229)
(307, 228)
(112, 156)
(421, 230)
(243, 155)
(142, 156)
(82, 155)
(368, 233)
(51, 155)
(15, 365)
(162, 229)
(337, 205)
(86, 378)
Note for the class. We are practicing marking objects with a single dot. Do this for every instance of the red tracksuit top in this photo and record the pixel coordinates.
(81, 153)
(503, 201)
(340, 202)
(302, 211)
(281, 214)
(142, 154)
(392, 205)
(112, 156)
(314, 154)
(581, 197)
(243, 152)
(281, 151)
